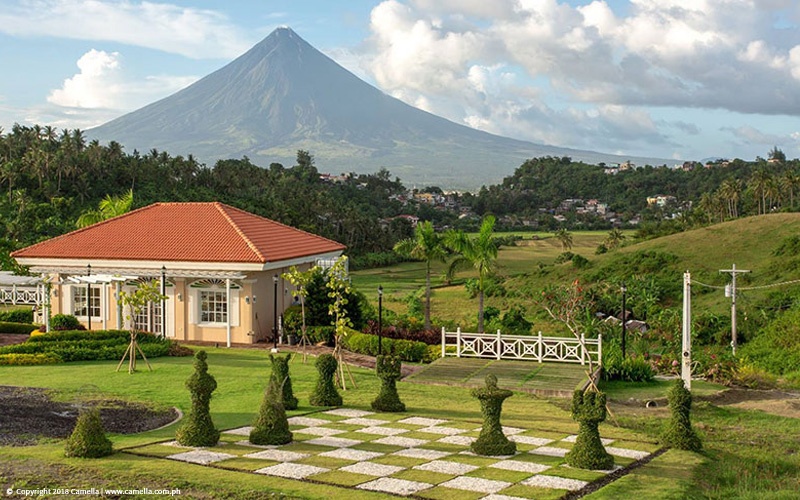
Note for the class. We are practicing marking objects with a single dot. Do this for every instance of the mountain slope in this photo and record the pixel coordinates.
(283, 95)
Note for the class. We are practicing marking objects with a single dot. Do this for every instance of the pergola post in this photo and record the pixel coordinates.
(228, 310)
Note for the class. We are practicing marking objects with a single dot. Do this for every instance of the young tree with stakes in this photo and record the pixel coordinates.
(136, 301)
(338, 286)
(300, 280)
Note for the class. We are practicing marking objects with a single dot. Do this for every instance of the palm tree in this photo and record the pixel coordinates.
(614, 238)
(428, 246)
(789, 184)
(110, 206)
(730, 190)
(758, 185)
(479, 252)
(565, 238)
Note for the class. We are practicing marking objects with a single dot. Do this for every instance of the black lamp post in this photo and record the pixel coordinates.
(275, 307)
(624, 317)
(380, 318)
(88, 296)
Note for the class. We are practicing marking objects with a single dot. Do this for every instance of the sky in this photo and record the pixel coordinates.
(677, 79)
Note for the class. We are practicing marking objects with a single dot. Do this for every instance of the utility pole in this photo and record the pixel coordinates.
(686, 340)
(732, 293)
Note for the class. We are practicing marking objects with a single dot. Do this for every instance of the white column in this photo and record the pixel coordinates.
(228, 309)
(686, 346)
(119, 305)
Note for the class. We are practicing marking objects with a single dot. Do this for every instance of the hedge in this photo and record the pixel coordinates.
(406, 350)
(89, 346)
(17, 315)
(14, 327)
(47, 358)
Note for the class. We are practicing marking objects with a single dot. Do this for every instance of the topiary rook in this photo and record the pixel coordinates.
(492, 441)
(589, 409)
(88, 439)
(198, 429)
(388, 370)
(325, 393)
(271, 426)
(679, 433)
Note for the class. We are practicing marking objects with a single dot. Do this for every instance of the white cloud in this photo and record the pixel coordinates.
(196, 33)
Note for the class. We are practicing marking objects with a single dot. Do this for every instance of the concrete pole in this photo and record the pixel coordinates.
(686, 344)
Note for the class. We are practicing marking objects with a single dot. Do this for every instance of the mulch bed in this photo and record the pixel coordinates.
(29, 414)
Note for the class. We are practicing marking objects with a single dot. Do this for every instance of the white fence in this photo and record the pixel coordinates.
(522, 347)
(21, 295)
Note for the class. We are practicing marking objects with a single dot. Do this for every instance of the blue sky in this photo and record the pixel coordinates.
(682, 79)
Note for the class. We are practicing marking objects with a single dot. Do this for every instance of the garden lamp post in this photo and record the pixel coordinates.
(380, 318)
(624, 317)
(275, 307)
(88, 296)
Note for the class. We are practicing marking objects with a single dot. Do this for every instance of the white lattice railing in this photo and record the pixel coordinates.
(522, 347)
(21, 295)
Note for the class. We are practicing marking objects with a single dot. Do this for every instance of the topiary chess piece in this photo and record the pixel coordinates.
(589, 409)
(492, 441)
(198, 429)
(280, 372)
(325, 393)
(679, 433)
(88, 439)
(388, 370)
(271, 425)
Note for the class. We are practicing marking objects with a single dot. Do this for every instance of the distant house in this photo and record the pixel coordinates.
(220, 267)
(661, 200)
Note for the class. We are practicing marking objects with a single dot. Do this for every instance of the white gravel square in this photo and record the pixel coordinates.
(203, 457)
(382, 431)
(395, 486)
(530, 440)
(421, 453)
(372, 469)
(334, 442)
(427, 422)
(292, 471)
(349, 412)
(495, 496)
(462, 440)
(262, 446)
(367, 422)
(510, 431)
(176, 444)
(624, 452)
(239, 431)
(308, 421)
(350, 454)
(278, 455)
(549, 451)
(574, 437)
(401, 441)
(555, 482)
(520, 466)
(320, 431)
(476, 484)
(446, 467)
(447, 431)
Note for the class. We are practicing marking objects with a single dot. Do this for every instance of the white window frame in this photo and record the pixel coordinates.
(96, 294)
(196, 304)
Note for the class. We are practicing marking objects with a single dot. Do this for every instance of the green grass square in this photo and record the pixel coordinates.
(424, 476)
(539, 459)
(623, 461)
(160, 450)
(523, 491)
(245, 464)
(400, 461)
(344, 427)
(428, 436)
(573, 473)
(509, 476)
(524, 448)
(556, 436)
(377, 447)
(359, 436)
(302, 447)
(299, 436)
(448, 447)
(467, 426)
(410, 427)
(342, 478)
(442, 493)
(231, 438)
(635, 445)
(327, 462)
(234, 449)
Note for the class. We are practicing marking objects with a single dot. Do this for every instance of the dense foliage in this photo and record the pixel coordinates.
(589, 409)
(198, 428)
(492, 441)
(388, 367)
(88, 439)
(679, 433)
(17, 315)
(83, 345)
(271, 426)
(19, 328)
(280, 373)
(325, 392)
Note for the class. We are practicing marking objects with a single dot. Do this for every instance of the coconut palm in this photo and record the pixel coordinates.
(758, 186)
(110, 206)
(428, 246)
(479, 252)
(789, 182)
(565, 238)
(614, 238)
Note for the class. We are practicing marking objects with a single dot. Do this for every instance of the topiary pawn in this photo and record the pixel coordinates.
(280, 372)
(388, 370)
(198, 429)
(88, 439)
(271, 425)
(492, 441)
(325, 393)
(679, 433)
(589, 409)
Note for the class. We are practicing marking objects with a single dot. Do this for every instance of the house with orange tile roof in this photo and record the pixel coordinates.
(219, 267)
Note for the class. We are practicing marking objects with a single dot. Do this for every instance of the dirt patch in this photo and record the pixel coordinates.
(12, 338)
(782, 403)
(29, 414)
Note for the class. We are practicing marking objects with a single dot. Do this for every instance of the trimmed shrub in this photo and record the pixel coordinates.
(198, 429)
(388, 370)
(492, 441)
(679, 433)
(89, 346)
(30, 359)
(325, 393)
(589, 409)
(321, 334)
(406, 350)
(177, 350)
(65, 322)
(18, 328)
(88, 439)
(632, 369)
(24, 315)
(280, 372)
(271, 426)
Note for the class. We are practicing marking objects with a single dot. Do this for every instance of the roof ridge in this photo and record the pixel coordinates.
(273, 221)
(221, 207)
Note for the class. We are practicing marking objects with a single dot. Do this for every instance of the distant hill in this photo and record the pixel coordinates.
(283, 95)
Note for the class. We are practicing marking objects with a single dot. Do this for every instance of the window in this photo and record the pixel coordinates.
(213, 306)
(79, 301)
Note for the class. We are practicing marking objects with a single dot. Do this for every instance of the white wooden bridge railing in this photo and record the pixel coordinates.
(522, 347)
(21, 295)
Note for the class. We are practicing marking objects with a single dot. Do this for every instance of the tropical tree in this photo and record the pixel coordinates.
(789, 183)
(479, 252)
(110, 206)
(301, 279)
(730, 190)
(427, 246)
(614, 238)
(135, 302)
(758, 186)
(565, 238)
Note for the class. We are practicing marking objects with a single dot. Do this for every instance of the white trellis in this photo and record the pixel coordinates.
(21, 295)
(522, 347)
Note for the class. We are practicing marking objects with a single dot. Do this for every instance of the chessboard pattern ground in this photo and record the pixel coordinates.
(402, 454)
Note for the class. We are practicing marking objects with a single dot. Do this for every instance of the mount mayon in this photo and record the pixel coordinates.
(283, 95)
